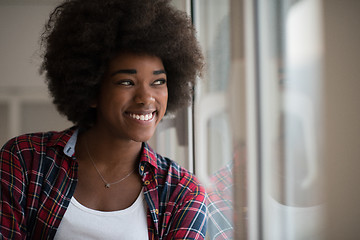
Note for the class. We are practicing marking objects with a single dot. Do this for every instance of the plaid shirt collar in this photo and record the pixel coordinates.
(69, 143)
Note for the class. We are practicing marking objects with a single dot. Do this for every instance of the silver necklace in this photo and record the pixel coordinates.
(107, 184)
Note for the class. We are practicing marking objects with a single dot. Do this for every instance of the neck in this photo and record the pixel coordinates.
(109, 152)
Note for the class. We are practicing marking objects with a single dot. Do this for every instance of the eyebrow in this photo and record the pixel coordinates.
(133, 71)
(158, 72)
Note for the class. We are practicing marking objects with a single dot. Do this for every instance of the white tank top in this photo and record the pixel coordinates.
(80, 222)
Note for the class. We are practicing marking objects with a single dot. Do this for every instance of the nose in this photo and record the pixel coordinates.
(144, 95)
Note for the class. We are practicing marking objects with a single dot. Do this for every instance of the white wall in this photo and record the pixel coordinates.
(21, 23)
(24, 102)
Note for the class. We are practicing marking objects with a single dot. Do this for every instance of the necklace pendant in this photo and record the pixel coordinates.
(107, 185)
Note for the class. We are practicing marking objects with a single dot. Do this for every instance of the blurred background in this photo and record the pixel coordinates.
(273, 132)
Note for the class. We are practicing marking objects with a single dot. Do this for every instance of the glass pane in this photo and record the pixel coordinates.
(219, 117)
(219, 142)
(290, 85)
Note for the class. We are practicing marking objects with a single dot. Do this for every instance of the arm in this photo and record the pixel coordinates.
(189, 221)
(12, 217)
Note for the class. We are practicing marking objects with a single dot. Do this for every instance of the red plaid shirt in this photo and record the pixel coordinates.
(220, 205)
(38, 175)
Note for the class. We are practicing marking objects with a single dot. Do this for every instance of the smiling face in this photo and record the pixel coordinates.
(133, 97)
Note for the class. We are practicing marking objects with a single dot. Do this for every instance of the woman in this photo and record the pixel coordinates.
(114, 68)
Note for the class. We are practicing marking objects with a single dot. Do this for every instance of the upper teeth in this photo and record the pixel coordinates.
(145, 117)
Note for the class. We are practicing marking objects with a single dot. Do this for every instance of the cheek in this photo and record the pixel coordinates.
(165, 99)
(112, 102)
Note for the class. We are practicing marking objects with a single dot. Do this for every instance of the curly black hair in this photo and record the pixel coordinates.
(81, 37)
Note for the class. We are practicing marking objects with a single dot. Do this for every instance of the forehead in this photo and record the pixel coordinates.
(130, 61)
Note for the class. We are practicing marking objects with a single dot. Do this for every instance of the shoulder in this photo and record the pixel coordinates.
(180, 175)
(184, 200)
(36, 141)
(179, 180)
(22, 150)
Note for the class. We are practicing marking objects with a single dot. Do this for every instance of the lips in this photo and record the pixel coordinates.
(143, 117)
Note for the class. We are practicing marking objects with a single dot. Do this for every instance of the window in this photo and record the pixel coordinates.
(219, 117)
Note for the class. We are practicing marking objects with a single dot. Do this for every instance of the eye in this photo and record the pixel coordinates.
(125, 82)
(161, 81)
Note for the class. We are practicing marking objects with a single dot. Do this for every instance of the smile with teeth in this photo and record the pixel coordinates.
(142, 117)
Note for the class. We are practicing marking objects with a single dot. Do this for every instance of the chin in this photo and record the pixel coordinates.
(142, 138)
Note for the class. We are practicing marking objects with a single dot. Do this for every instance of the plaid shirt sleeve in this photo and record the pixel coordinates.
(189, 220)
(37, 181)
(12, 219)
(176, 200)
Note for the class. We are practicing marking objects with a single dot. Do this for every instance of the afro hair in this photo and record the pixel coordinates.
(81, 37)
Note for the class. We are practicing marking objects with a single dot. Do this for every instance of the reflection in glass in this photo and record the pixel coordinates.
(218, 116)
(290, 83)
